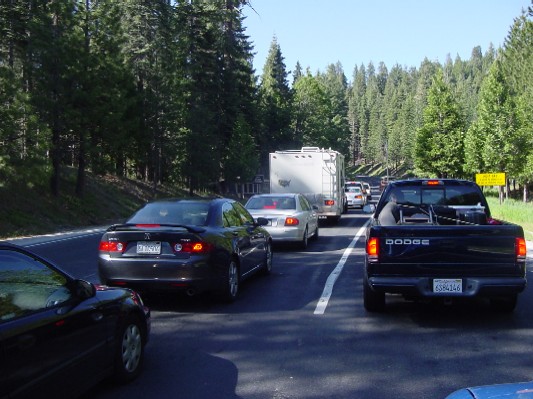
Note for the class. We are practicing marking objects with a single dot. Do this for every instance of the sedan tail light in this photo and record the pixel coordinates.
(196, 247)
(112, 246)
(291, 222)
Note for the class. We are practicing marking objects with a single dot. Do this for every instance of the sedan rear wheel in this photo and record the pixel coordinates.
(231, 289)
(305, 239)
(267, 268)
(315, 236)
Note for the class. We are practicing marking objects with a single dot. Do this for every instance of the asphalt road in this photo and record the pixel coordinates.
(302, 332)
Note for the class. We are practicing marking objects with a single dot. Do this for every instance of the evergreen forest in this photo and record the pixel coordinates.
(165, 92)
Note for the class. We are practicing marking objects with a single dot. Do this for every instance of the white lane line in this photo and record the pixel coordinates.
(330, 282)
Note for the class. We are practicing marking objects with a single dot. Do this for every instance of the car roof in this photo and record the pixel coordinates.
(424, 182)
(270, 195)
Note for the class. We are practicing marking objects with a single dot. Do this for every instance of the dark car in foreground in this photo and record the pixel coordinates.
(519, 390)
(60, 335)
(189, 245)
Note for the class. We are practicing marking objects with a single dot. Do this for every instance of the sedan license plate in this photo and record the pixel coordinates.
(149, 247)
(448, 285)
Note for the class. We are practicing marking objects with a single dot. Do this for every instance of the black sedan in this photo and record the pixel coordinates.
(188, 245)
(60, 335)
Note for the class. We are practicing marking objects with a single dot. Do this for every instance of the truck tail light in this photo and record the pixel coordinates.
(520, 248)
(372, 247)
(291, 222)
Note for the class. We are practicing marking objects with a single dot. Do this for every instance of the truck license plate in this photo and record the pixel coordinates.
(448, 285)
(149, 247)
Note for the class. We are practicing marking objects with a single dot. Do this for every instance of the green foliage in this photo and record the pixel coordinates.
(495, 132)
(514, 211)
(275, 106)
(165, 92)
(242, 160)
(439, 149)
(311, 112)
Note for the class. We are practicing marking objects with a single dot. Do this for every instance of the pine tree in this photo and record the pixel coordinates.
(311, 111)
(439, 148)
(496, 129)
(335, 84)
(275, 97)
(357, 115)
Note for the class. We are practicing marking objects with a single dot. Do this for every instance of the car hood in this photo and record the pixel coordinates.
(521, 390)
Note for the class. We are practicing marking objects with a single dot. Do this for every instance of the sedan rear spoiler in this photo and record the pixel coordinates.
(139, 226)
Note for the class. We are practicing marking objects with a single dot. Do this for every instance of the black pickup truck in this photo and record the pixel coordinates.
(436, 239)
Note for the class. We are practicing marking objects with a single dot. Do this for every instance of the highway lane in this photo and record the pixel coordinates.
(271, 343)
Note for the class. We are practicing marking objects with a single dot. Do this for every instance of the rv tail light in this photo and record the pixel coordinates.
(329, 202)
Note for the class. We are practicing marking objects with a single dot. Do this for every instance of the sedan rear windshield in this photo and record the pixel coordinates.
(184, 212)
(271, 203)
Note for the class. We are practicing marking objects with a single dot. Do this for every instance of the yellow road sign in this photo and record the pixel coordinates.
(490, 179)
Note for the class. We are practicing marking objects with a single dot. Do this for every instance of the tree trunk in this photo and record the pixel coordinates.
(80, 181)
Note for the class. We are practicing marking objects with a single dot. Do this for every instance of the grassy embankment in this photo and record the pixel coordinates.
(514, 211)
(31, 209)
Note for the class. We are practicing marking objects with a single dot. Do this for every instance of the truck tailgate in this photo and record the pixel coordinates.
(487, 250)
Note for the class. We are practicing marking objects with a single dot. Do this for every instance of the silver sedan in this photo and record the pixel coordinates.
(356, 198)
(291, 218)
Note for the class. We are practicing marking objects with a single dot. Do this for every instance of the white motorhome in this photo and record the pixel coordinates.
(315, 172)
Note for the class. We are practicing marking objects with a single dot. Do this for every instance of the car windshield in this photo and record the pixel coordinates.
(271, 203)
(178, 212)
(353, 190)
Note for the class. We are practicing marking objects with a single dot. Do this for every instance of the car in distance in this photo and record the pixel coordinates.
(359, 184)
(519, 390)
(355, 197)
(192, 245)
(291, 218)
(60, 335)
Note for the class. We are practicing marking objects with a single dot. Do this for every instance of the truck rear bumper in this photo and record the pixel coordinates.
(471, 286)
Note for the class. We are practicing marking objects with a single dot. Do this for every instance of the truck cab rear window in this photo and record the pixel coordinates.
(437, 196)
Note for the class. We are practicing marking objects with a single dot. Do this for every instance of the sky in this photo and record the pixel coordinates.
(318, 33)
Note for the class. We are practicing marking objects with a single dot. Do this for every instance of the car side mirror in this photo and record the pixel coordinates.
(84, 289)
(261, 221)
(369, 208)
